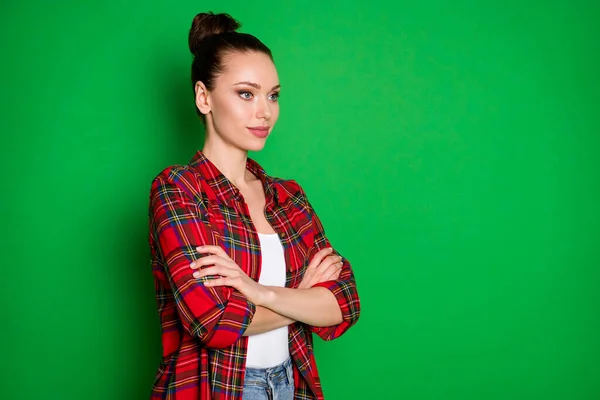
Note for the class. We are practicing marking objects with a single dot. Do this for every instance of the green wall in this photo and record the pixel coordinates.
(450, 149)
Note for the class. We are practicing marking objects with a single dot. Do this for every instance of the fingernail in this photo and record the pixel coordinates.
(196, 274)
(193, 265)
(199, 248)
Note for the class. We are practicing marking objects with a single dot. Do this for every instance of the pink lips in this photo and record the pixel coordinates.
(260, 131)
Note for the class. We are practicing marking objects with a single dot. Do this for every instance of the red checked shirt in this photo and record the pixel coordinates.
(204, 350)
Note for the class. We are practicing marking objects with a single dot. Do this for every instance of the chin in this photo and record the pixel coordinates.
(256, 146)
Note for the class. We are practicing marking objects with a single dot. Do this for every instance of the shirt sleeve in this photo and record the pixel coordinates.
(344, 288)
(218, 316)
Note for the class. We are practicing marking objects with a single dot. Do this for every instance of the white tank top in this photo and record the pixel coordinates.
(270, 348)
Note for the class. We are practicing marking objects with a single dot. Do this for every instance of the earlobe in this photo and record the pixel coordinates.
(202, 98)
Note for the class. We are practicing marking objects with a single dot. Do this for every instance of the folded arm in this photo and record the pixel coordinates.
(315, 306)
(265, 320)
(278, 306)
(328, 307)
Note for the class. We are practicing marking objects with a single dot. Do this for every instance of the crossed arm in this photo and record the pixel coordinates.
(277, 306)
(219, 311)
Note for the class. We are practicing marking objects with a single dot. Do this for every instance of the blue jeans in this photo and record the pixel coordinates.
(274, 383)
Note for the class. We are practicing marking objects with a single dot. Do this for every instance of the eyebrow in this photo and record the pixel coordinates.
(255, 85)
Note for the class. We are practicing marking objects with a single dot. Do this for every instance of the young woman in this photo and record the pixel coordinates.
(244, 273)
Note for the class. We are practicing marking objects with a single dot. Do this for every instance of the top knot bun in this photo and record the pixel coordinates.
(209, 24)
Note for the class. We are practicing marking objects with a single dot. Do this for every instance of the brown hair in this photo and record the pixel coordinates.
(211, 37)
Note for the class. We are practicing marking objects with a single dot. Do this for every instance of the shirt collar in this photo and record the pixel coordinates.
(222, 188)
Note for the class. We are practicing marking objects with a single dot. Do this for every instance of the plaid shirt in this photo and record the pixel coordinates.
(204, 350)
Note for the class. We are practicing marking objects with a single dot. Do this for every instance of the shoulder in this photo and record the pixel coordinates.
(178, 179)
(291, 189)
(175, 174)
(290, 185)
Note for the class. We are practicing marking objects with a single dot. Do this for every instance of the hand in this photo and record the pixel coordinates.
(323, 267)
(230, 273)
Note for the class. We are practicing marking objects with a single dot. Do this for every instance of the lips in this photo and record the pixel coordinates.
(259, 131)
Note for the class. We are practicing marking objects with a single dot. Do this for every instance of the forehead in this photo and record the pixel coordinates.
(249, 66)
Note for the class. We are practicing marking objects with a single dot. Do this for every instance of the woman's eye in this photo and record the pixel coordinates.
(245, 95)
(274, 96)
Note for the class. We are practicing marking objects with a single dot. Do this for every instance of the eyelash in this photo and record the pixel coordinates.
(242, 92)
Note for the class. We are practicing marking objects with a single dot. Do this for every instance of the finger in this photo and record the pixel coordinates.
(227, 281)
(328, 261)
(209, 260)
(218, 282)
(216, 270)
(338, 272)
(332, 273)
(218, 250)
(317, 273)
(319, 256)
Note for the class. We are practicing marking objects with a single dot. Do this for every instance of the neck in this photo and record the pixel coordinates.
(230, 160)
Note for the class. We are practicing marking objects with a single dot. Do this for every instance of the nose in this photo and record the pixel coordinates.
(263, 109)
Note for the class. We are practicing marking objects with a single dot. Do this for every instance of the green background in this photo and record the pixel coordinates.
(450, 148)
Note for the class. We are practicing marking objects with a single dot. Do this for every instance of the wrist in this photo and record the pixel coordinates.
(269, 297)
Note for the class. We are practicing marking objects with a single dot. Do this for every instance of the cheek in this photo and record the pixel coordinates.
(275, 112)
(230, 113)
(240, 111)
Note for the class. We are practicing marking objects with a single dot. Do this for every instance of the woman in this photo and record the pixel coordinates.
(244, 273)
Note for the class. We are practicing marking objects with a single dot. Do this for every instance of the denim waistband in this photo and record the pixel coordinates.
(275, 374)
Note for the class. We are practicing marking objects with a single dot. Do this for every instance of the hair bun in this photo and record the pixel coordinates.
(209, 24)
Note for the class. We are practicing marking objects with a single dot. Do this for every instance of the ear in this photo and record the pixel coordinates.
(202, 101)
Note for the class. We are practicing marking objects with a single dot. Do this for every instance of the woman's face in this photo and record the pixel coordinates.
(243, 107)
